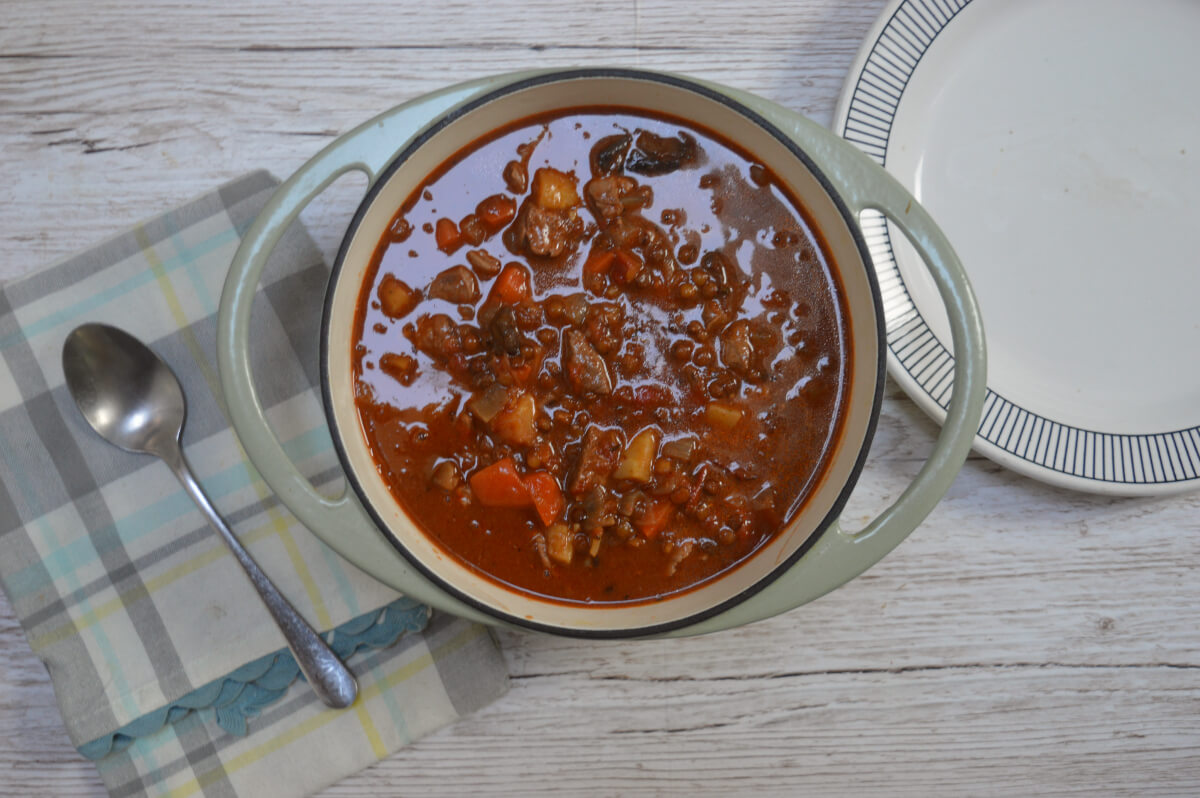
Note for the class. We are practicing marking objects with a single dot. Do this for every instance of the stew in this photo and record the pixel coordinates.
(600, 355)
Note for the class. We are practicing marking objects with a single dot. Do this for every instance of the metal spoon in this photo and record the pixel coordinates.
(133, 399)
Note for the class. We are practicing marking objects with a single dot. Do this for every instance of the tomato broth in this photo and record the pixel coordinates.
(601, 355)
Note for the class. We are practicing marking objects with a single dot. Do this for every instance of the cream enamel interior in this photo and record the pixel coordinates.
(652, 96)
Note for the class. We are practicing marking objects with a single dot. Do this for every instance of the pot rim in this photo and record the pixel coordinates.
(854, 229)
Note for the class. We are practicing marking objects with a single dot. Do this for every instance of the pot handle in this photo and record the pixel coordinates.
(368, 149)
(838, 555)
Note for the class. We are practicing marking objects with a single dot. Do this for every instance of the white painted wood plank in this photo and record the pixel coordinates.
(1025, 640)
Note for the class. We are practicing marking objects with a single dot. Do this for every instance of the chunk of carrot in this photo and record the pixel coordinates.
(599, 261)
(627, 266)
(496, 211)
(655, 518)
(446, 235)
(523, 372)
(500, 485)
(511, 286)
(472, 230)
(546, 495)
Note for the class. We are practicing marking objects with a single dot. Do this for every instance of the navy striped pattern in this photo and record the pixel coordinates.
(1153, 459)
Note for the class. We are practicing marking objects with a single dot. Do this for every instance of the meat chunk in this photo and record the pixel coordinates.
(634, 232)
(546, 233)
(456, 284)
(488, 403)
(548, 224)
(601, 450)
(584, 367)
(604, 323)
(748, 348)
(516, 177)
(504, 333)
(737, 352)
(606, 195)
(484, 264)
(438, 336)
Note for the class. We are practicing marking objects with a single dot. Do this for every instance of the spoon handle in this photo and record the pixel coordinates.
(331, 680)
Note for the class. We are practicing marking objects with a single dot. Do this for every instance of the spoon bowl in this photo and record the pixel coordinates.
(125, 392)
(134, 401)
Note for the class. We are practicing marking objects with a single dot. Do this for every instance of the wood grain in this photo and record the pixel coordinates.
(1025, 640)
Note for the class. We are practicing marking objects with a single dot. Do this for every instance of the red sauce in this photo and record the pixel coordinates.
(600, 356)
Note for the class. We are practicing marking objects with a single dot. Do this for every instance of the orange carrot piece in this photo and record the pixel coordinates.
(626, 266)
(496, 211)
(546, 495)
(472, 230)
(599, 262)
(655, 518)
(511, 286)
(524, 372)
(447, 236)
(500, 485)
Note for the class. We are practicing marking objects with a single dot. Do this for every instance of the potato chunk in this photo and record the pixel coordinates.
(554, 190)
(638, 460)
(559, 544)
(517, 422)
(396, 298)
(722, 415)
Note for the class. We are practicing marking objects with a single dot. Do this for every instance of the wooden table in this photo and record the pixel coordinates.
(1023, 640)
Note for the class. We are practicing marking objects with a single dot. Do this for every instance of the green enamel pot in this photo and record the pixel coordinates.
(835, 183)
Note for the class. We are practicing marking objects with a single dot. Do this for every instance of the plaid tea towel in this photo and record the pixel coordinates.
(167, 669)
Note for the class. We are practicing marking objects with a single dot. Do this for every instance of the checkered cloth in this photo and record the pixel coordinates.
(161, 654)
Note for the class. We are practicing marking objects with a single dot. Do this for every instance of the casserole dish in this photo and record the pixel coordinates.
(829, 178)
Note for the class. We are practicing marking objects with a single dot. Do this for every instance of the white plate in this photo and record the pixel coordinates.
(1057, 143)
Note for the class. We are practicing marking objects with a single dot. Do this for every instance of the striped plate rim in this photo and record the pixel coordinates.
(1051, 450)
